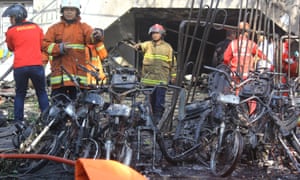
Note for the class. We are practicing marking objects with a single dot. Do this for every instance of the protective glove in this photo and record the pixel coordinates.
(64, 47)
(98, 34)
(105, 61)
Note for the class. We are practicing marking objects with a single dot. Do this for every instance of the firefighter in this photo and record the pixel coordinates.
(158, 64)
(290, 56)
(240, 53)
(221, 47)
(239, 56)
(65, 43)
(95, 54)
(24, 39)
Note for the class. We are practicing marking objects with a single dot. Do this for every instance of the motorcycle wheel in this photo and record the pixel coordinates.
(224, 158)
(89, 149)
(292, 146)
(47, 145)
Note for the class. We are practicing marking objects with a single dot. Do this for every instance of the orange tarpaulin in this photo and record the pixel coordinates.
(104, 169)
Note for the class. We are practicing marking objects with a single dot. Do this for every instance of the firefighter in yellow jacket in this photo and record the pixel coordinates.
(158, 66)
(95, 54)
(65, 43)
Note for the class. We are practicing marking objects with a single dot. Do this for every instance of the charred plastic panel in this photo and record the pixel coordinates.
(123, 28)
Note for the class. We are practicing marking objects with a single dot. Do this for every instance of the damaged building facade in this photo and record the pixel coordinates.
(193, 26)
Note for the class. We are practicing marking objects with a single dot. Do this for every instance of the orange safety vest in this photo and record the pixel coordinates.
(95, 54)
(241, 52)
(239, 55)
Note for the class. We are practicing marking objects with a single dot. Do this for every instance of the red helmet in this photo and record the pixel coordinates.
(158, 29)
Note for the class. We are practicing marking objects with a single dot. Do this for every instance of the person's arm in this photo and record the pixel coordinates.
(173, 65)
(140, 46)
(91, 36)
(41, 37)
(260, 54)
(101, 50)
(50, 46)
(228, 55)
(9, 41)
(45, 58)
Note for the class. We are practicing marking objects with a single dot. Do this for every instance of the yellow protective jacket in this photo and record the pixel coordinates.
(77, 35)
(95, 54)
(157, 63)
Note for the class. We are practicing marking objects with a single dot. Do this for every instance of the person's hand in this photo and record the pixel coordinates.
(98, 34)
(67, 47)
(173, 80)
(137, 46)
(64, 47)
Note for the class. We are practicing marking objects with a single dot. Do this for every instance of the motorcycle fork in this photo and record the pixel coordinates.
(221, 134)
(80, 136)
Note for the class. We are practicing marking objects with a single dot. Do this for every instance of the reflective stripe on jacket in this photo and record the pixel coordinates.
(157, 63)
(240, 53)
(94, 55)
(64, 78)
(77, 35)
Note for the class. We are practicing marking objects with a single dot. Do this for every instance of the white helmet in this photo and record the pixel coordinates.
(70, 3)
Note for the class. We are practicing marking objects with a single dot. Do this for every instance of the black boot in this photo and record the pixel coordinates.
(20, 126)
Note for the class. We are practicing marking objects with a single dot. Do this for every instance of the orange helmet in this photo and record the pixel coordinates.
(158, 29)
(244, 26)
